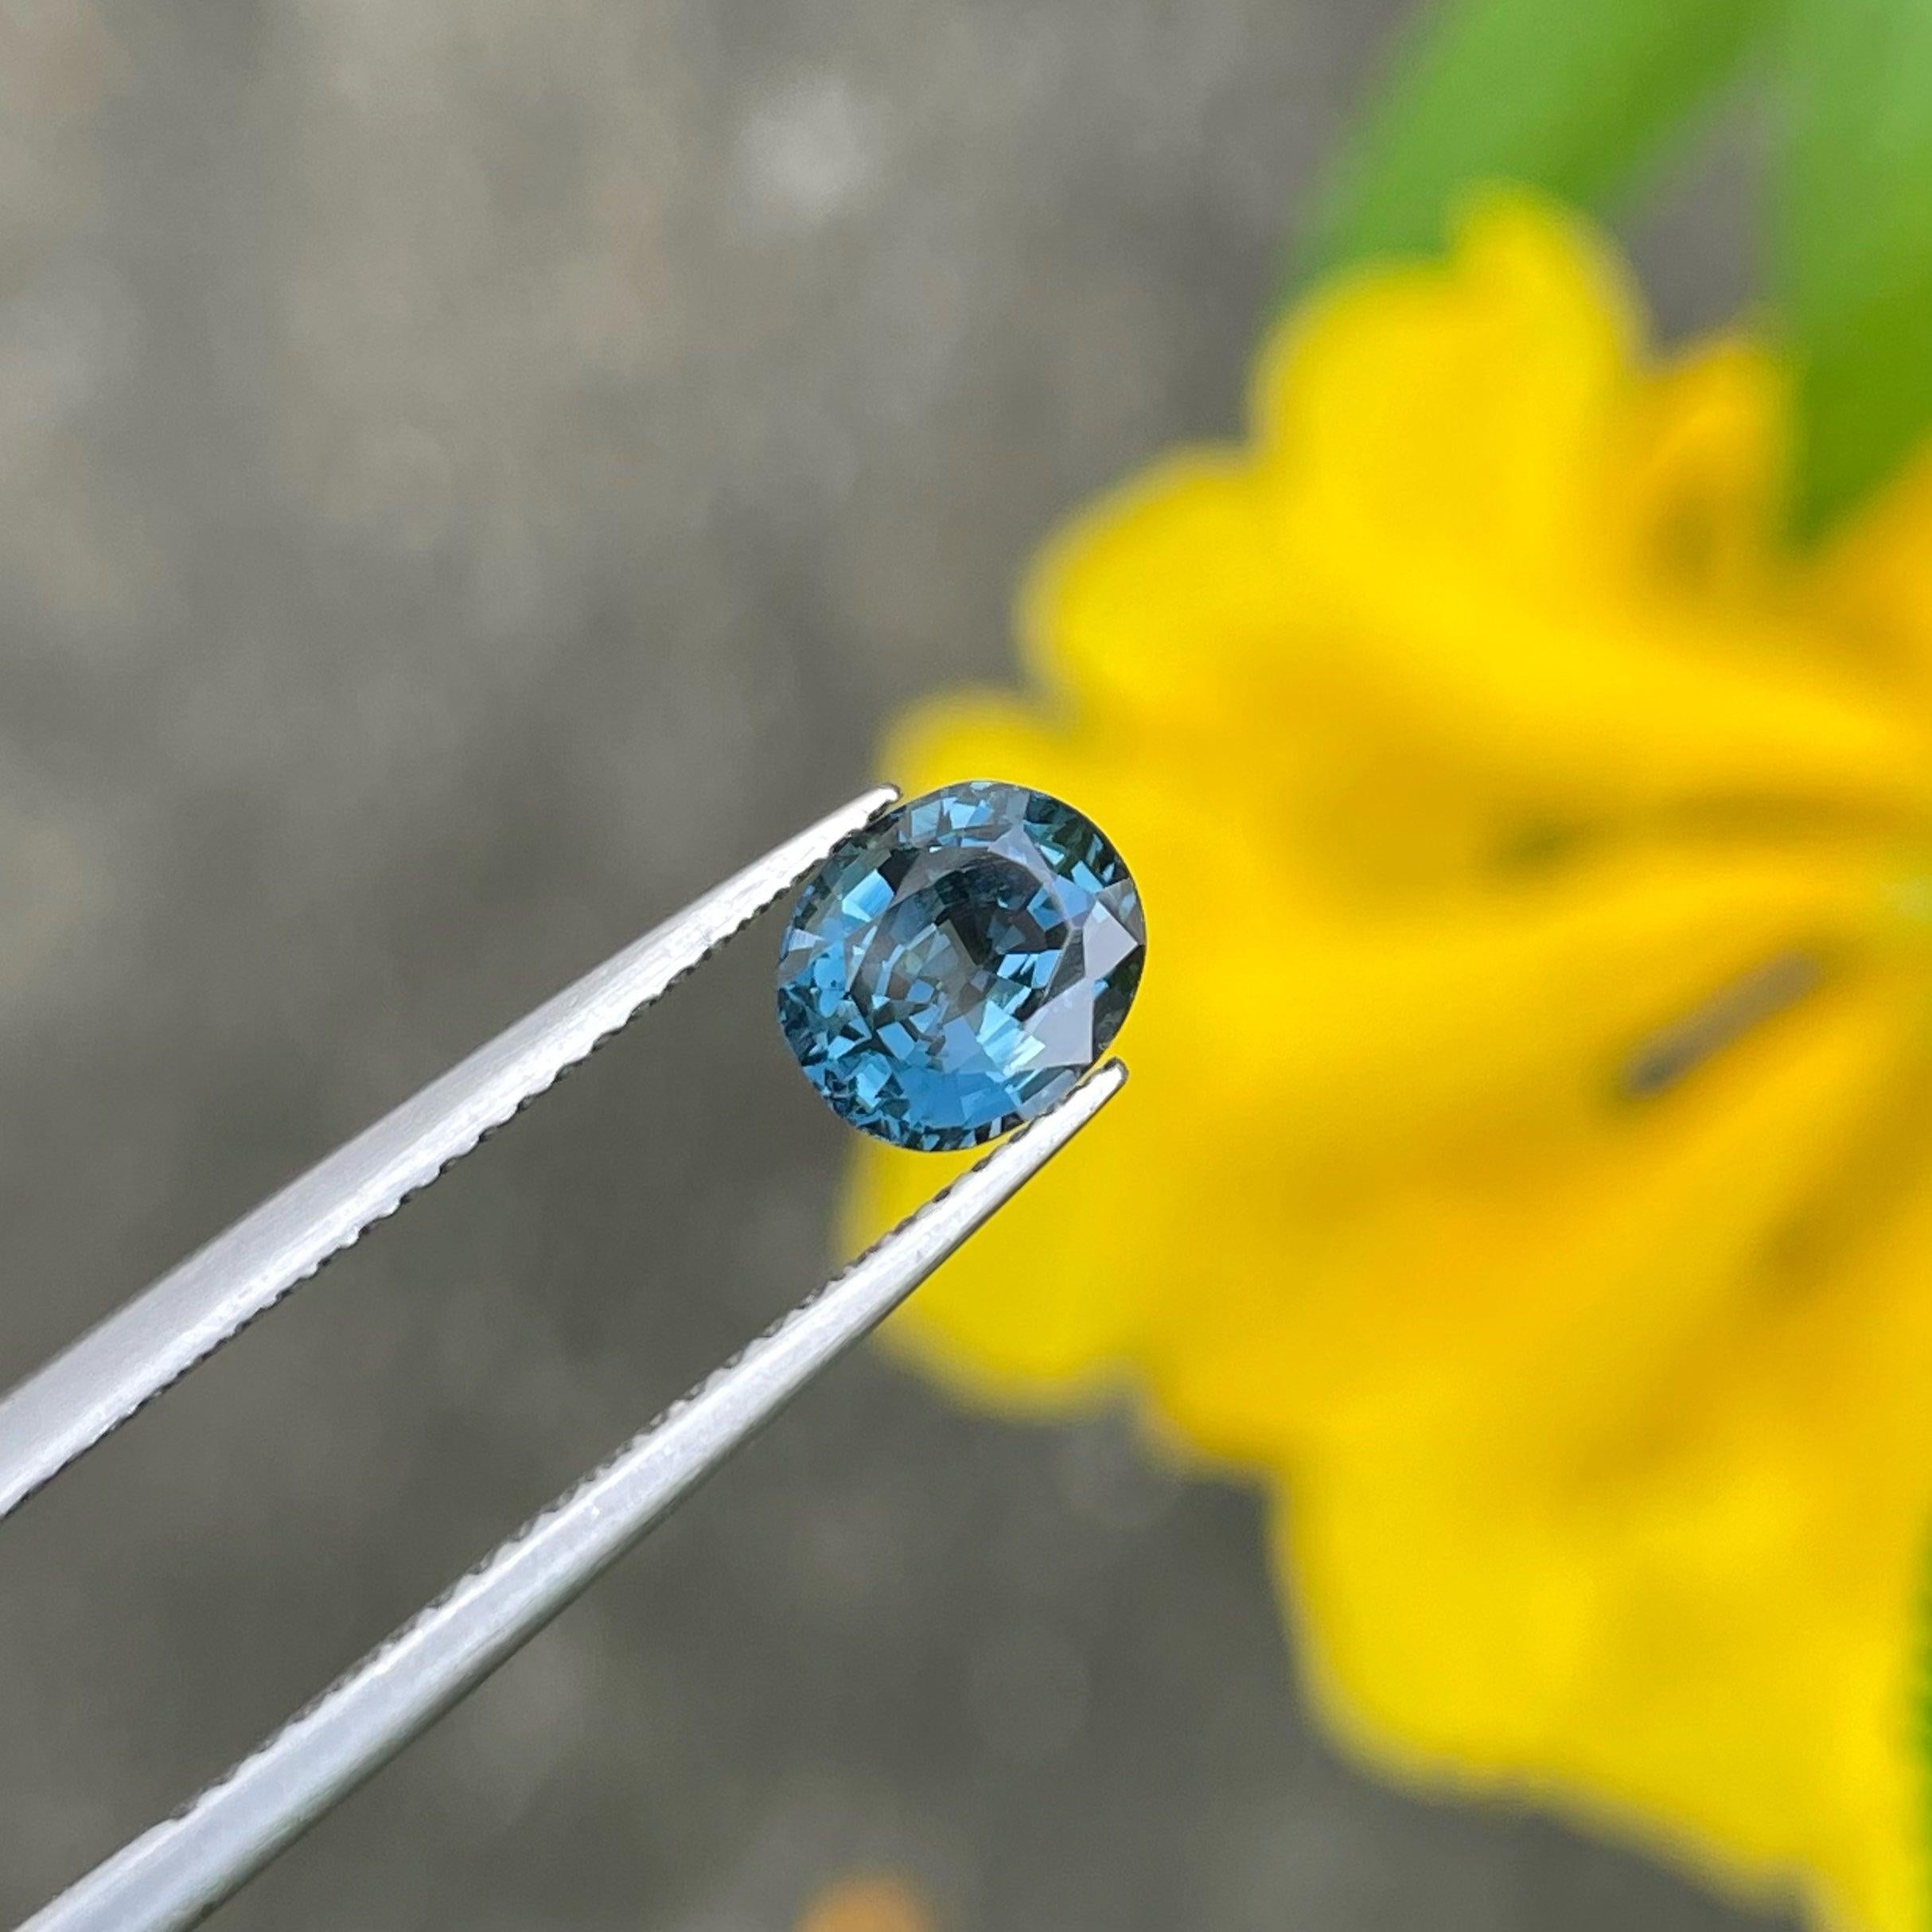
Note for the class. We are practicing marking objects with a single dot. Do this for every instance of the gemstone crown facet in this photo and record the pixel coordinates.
(955, 966)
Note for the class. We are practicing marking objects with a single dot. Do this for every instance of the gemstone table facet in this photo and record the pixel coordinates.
(955, 967)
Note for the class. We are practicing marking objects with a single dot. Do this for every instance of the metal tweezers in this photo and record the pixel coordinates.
(175, 1874)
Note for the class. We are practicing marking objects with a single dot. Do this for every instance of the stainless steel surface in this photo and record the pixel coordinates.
(173, 1874)
(67, 1407)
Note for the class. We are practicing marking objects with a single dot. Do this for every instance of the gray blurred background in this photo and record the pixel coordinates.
(470, 472)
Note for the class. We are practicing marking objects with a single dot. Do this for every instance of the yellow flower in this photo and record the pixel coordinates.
(1526, 1168)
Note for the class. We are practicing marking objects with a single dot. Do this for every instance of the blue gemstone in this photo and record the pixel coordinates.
(955, 967)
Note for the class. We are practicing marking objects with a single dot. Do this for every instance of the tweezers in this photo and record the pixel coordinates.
(176, 1873)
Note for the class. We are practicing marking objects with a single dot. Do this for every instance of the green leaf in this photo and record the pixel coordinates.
(1570, 95)
(1854, 240)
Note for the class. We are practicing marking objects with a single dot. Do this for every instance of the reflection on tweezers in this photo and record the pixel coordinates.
(67, 1406)
(173, 1874)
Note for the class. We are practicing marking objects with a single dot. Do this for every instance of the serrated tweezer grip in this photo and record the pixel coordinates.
(173, 1876)
(65, 1408)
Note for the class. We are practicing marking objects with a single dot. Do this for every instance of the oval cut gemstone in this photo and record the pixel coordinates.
(955, 967)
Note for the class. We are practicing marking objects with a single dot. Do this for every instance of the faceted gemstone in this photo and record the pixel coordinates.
(955, 967)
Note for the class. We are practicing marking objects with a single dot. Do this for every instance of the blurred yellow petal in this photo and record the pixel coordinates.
(1527, 1171)
(1872, 587)
(1692, 497)
(1431, 696)
(1595, 715)
(1464, 407)
(1576, 1257)
(1097, 617)
(1709, 1636)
